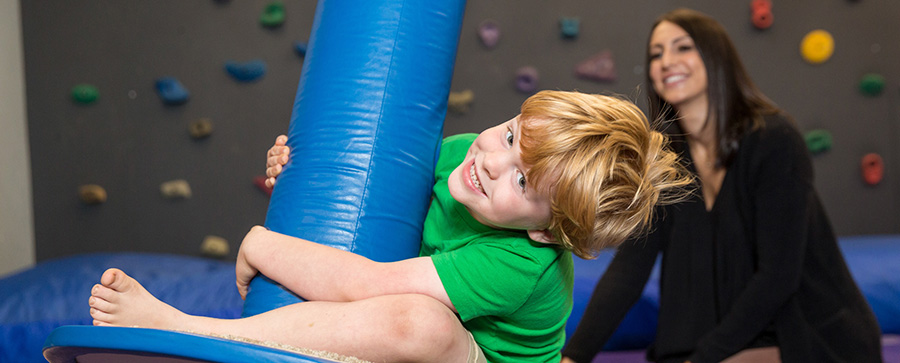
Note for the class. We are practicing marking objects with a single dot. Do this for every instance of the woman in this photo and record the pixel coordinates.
(751, 268)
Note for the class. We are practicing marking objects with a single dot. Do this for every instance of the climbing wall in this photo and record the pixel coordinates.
(149, 121)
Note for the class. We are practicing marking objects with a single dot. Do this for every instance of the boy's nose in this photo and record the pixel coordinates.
(492, 164)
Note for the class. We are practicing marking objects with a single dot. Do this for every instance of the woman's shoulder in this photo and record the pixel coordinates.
(777, 130)
(776, 141)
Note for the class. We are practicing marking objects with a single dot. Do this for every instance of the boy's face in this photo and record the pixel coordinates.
(491, 183)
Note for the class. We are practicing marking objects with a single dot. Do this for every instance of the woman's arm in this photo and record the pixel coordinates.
(319, 272)
(618, 289)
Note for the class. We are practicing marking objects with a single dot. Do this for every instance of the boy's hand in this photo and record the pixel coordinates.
(243, 271)
(276, 158)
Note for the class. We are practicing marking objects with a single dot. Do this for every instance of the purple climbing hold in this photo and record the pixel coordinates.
(489, 32)
(600, 67)
(527, 79)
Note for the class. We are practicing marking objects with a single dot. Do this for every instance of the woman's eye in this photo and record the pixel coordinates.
(509, 137)
(685, 48)
(520, 179)
(655, 56)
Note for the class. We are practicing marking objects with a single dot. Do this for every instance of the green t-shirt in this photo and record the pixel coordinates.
(513, 294)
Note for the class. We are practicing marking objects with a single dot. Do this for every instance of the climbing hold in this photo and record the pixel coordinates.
(246, 72)
(489, 33)
(215, 247)
(85, 93)
(171, 91)
(200, 128)
(818, 141)
(757, 5)
(762, 18)
(761, 14)
(600, 67)
(459, 102)
(92, 194)
(527, 79)
(872, 168)
(273, 15)
(260, 182)
(871, 84)
(175, 189)
(300, 48)
(568, 27)
(817, 46)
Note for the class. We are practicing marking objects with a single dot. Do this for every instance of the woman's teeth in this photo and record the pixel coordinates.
(674, 78)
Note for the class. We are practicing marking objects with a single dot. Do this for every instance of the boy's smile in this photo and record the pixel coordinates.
(473, 182)
(491, 183)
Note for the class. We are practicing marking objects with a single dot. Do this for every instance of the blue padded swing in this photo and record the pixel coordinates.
(365, 130)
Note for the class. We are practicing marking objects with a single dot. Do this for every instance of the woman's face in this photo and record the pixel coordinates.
(676, 69)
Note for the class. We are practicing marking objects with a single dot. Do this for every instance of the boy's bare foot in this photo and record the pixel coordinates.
(119, 300)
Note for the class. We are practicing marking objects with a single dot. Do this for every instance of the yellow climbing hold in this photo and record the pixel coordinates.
(458, 102)
(817, 46)
(175, 189)
(215, 247)
(92, 194)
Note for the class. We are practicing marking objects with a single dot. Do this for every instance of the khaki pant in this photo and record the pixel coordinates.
(475, 353)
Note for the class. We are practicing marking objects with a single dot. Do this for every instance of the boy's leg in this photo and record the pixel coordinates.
(392, 327)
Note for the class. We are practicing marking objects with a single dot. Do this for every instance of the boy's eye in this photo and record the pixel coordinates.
(509, 137)
(520, 179)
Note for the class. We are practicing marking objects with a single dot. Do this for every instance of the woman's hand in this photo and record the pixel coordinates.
(276, 158)
(243, 270)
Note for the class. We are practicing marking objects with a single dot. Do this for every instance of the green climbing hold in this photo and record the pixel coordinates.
(818, 141)
(273, 15)
(85, 93)
(871, 84)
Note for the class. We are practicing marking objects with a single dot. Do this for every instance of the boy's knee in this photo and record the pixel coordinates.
(423, 327)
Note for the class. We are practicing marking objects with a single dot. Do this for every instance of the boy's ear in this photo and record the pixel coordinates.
(541, 235)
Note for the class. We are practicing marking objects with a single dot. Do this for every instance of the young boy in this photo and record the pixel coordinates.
(573, 172)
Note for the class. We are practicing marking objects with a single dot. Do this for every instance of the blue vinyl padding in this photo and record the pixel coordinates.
(54, 293)
(70, 344)
(365, 131)
(35, 301)
(872, 260)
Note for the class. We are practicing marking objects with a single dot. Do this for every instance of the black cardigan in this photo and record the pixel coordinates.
(761, 268)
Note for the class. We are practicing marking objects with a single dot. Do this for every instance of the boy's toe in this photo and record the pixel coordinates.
(100, 292)
(99, 304)
(115, 279)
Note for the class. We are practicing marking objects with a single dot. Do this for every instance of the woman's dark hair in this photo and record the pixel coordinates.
(734, 101)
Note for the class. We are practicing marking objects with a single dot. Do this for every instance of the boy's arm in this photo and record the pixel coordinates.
(319, 272)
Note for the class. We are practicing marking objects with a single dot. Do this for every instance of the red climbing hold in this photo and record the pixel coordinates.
(762, 18)
(872, 168)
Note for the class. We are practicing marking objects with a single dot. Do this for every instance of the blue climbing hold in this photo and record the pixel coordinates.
(246, 72)
(568, 27)
(171, 91)
(300, 48)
